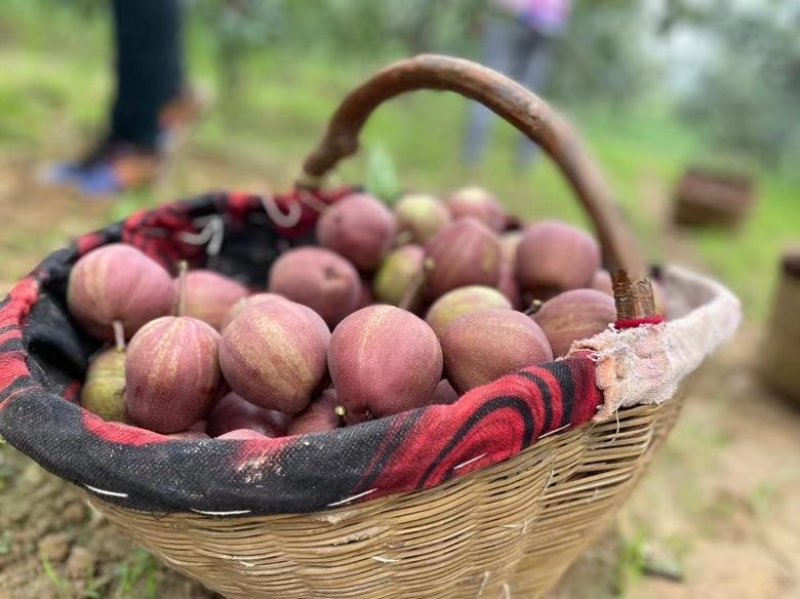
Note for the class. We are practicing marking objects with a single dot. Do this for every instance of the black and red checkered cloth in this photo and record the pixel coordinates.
(44, 354)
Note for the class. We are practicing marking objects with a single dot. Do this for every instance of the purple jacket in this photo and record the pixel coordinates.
(548, 16)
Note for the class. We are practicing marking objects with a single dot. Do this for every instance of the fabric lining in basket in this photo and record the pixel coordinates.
(43, 355)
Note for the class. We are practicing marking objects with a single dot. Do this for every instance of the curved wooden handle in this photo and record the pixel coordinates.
(524, 110)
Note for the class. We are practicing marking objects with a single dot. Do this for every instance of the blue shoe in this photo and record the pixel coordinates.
(111, 169)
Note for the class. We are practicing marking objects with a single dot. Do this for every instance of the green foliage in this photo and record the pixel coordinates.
(746, 102)
(240, 29)
(601, 61)
(290, 85)
(381, 177)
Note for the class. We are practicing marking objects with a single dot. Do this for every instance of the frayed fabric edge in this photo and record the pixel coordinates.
(646, 364)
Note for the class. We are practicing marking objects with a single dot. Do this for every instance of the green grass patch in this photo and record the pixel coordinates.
(138, 573)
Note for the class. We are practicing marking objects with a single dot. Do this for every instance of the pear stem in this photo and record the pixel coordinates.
(340, 411)
(533, 308)
(119, 335)
(183, 268)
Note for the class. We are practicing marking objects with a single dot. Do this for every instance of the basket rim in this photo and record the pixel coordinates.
(546, 402)
(344, 512)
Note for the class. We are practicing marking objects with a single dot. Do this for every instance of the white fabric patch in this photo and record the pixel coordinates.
(645, 365)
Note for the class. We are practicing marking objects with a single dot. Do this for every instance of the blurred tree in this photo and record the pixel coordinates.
(240, 27)
(748, 99)
(348, 28)
(602, 61)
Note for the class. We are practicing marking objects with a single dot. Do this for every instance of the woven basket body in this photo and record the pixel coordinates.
(512, 528)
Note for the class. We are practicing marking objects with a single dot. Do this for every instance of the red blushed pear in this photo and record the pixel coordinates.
(420, 217)
(210, 296)
(365, 296)
(601, 281)
(251, 300)
(172, 371)
(243, 434)
(383, 360)
(483, 346)
(117, 282)
(509, 243)
(198, 427)
(573, 315)
(360, 228)
(319, 279)
(189, 435)
(319, 417)
(233, 412)
(445, 394)
(465, 253)
(508, 286)
(553, 257)
(476, 202)
(274, 355)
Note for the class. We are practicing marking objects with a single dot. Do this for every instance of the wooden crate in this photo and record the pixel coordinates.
(705, 198)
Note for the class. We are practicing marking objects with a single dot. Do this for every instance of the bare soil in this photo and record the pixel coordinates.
(717, 515)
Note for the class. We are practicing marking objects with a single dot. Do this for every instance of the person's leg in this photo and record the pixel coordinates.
(534, 74)
(150, 101)
(496, 55)
(149, 67)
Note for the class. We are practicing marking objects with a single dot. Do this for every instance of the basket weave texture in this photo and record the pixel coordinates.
(508, 531)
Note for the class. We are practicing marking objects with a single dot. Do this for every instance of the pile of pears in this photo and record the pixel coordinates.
(395, 309)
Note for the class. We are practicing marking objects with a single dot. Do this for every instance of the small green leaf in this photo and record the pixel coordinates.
(381, 178)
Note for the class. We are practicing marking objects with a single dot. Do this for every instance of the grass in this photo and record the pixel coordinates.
(5, 543)
(140, 569)
(5, 472)
(750, 262)
(60, 584)
(632, 562)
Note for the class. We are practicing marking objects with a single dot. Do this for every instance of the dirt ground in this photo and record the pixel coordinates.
(717, 515)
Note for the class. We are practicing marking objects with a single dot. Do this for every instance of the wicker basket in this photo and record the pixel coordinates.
(507, 529)
(781, 344)
(706, 198)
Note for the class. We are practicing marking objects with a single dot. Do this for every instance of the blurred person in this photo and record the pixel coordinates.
(152, 102)
(518, 41)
